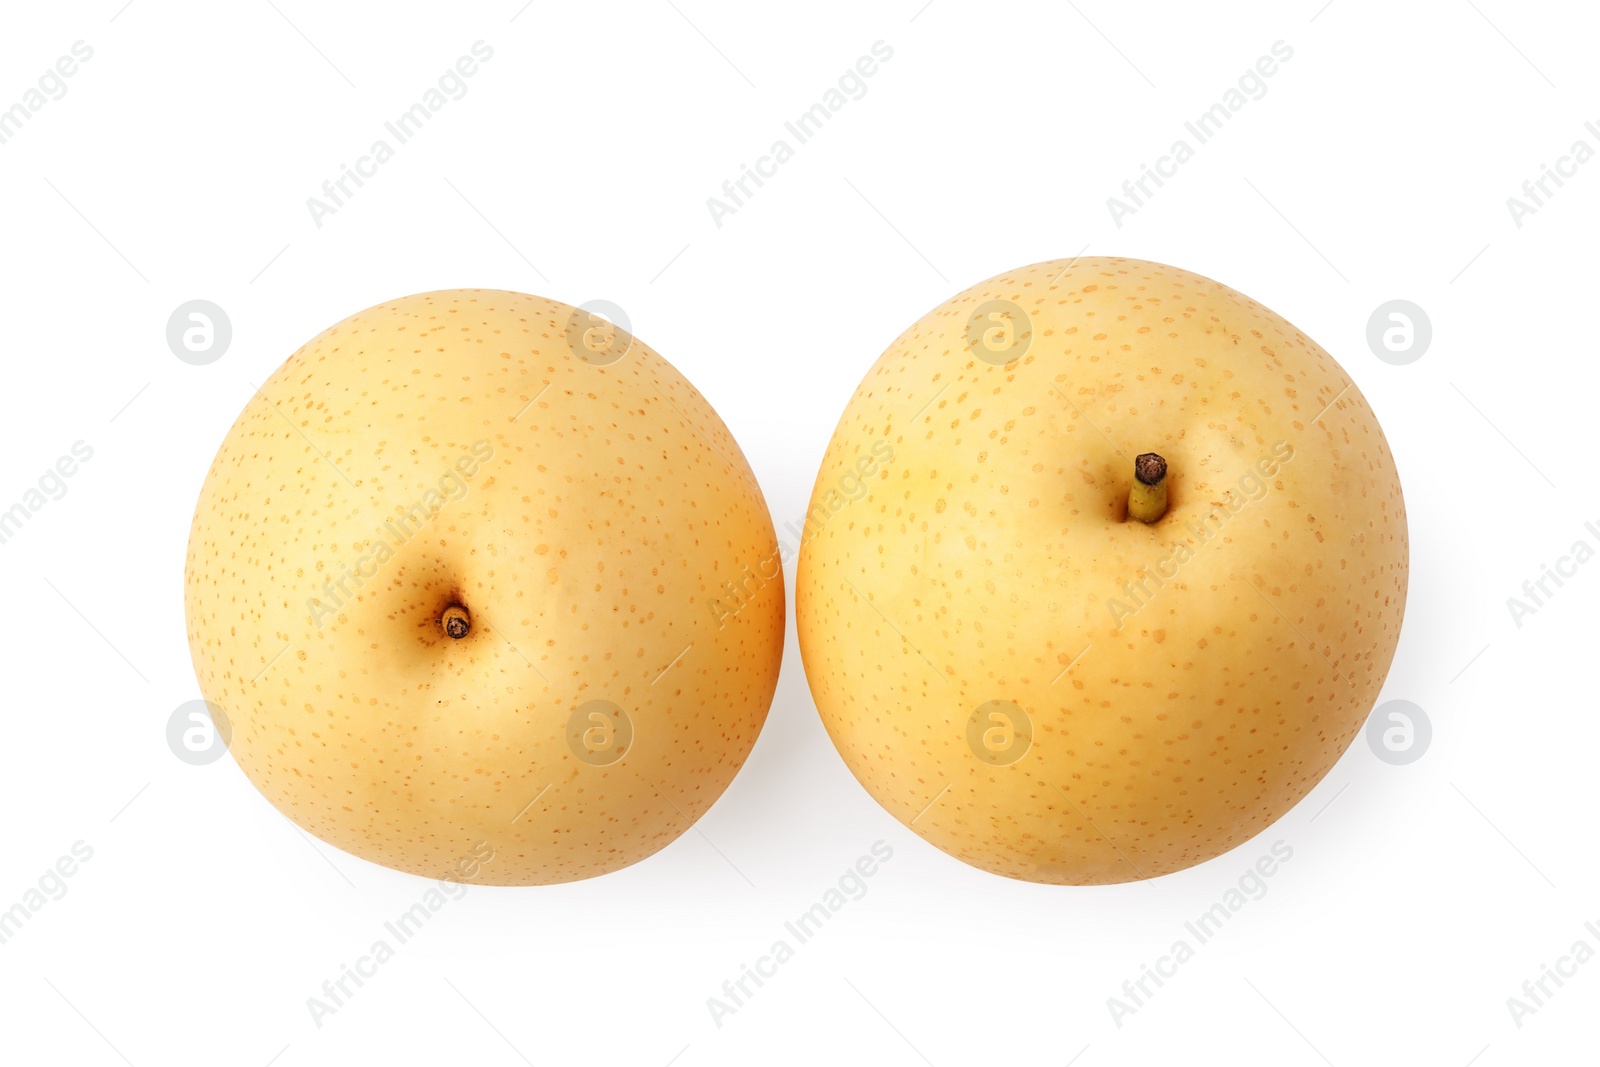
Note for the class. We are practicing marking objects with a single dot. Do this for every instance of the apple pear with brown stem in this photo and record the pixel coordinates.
(465, 590)
(1125, 591)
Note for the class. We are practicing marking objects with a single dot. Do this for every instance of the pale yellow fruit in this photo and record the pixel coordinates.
(1142, 727)
(452, 448)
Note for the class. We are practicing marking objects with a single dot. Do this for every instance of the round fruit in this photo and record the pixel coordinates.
(1043, 684)
(460, 578)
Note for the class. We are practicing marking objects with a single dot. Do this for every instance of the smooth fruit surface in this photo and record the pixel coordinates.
(1028, 678)
(483, 463)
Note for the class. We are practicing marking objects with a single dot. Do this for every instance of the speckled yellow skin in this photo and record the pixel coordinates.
(590, 549)
(990, 554)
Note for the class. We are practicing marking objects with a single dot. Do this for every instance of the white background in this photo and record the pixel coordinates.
(1377, 166)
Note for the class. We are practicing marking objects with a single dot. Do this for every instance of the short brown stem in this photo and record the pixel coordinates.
(456, 622)
(1147, 499)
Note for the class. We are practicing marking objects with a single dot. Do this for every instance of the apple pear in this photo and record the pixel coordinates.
(1126, 585)
(486, 590)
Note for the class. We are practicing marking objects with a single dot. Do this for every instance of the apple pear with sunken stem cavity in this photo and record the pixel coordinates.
(459, 577)
(1129, 585)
